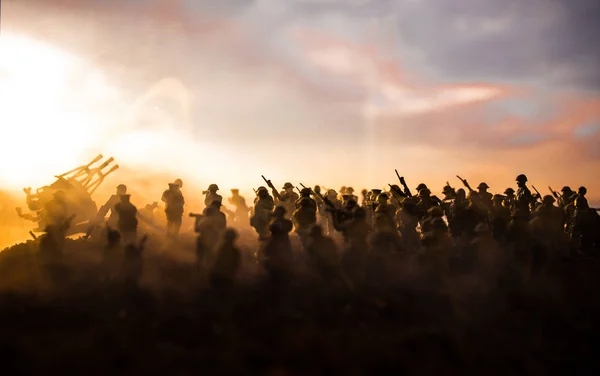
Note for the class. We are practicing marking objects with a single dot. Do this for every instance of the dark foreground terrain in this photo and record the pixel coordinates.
(175, 324)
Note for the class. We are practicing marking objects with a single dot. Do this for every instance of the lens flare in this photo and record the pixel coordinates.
(50, 110)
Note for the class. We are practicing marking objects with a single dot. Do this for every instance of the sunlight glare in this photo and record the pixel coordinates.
(50, 111)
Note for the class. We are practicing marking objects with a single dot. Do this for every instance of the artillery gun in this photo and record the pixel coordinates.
(78, 185)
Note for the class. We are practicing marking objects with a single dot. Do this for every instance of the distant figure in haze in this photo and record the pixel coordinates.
(305, 194)
(524, 199)
(132, 266)
(227, 262)
(210, 229)
(241, 209)
(56, 210)
(113, 218)
(323, 254)
(261, 216)
(304, 218)
(509, 200)
(350, 191)
(288, 199)
(128, 221)
(212, 195)
(174, 202)
(499, 218)
(278, 248)
(485, 196)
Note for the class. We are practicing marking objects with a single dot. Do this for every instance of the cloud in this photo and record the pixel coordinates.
(464, 85)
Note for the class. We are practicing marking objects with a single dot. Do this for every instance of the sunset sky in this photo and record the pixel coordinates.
(336, 92)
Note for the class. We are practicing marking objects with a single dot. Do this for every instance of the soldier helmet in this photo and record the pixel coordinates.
(331, 192)
(382, 196)
(498, 197)
(213, 188)
(261, 189)
(316, 231)
(364, 192)
(350, 190)
(566, 189)
(317, 189)
(447, 189)
(548, 200)
(343, 189)
(376, 192)
(235, 190)
(521, 178)
(173, 185)
(435, 211)
(483, 185)
(305, 192)
(230, 234)
(421, 187)
(582, 191)
(122, 188)
(179, 182)
(125, 197)
(509, 191)
(395, 187)
(288, 185)
(424, 192)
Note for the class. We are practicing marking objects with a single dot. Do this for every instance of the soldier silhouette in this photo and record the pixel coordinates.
(212, 195)
(128, 221)
(113, 218)
(261, 216)
(174, 203)
(241, 209)
(227, 261)
(304, 218)
(288, 198)
(524, 200)
(56, 210)
(305, 193)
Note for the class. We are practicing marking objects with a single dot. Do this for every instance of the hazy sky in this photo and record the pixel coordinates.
(336, 92)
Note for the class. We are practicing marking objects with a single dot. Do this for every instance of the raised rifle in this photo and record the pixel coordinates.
(554, 193)
(536, 191)
(403, 182)
(465, 183)
(275, 193)
(325, 200)
(396, 192)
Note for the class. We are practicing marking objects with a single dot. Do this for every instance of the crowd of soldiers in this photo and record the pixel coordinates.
(340, 233)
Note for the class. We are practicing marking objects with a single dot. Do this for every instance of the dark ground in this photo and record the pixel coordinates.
(175, 324)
